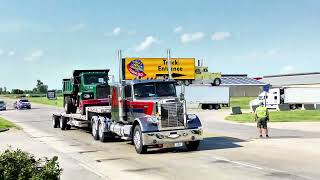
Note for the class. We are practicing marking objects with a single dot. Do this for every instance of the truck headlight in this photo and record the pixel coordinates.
(87, 96)
(152, 120)
(192, 116)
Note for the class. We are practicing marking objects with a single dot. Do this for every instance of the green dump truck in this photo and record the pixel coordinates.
(86, 88)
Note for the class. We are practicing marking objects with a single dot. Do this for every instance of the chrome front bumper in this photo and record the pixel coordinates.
(174, 136)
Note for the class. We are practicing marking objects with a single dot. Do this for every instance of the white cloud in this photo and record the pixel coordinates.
(116, 31)
(288, 69)
(11, 53)
(1, 52)
(178, 29)
(35, 55)
(218, 36)
(147, 43)
(77, 27)
(189, 37)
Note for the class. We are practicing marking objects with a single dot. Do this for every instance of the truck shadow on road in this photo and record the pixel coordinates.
(208, 143)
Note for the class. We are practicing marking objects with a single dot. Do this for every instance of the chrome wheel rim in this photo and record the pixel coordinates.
(60, 123)
(53, 121)
(137, 140)
(100, 130)
(93, 129)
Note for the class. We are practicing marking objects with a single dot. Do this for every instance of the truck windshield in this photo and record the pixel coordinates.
(154, 90)
(95, 79)
(24, 100)
(1, 102)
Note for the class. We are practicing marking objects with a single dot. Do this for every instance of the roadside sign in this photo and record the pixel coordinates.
(266, 88)
(147, 68)
(51, 94)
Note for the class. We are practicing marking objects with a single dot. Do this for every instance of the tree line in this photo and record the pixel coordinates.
(40, 88)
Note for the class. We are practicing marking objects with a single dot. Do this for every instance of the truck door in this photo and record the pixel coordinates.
(128, 102)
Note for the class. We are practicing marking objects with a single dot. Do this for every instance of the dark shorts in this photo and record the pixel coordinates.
(262, 123)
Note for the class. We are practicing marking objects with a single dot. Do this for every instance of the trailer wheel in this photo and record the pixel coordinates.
(137, 140)
(192, 145)
(68, 105)
(63, 123)
(216, 82)
(186, 82)
(210, 106)
(217, 107)
(94, 131)
(55, 121)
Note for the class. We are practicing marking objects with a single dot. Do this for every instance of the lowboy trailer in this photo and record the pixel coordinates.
(147, 112)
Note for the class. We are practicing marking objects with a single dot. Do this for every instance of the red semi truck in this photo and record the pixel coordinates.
(147, 112)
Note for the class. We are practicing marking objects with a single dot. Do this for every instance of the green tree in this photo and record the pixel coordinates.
(1, 90)
(41, 88)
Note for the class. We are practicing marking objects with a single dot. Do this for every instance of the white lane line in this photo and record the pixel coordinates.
(239, 163)
(89, 168)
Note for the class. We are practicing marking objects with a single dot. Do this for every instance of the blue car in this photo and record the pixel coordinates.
(3, 106)
(22, 104)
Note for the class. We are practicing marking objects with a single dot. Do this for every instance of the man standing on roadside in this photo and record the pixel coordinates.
(262, 117)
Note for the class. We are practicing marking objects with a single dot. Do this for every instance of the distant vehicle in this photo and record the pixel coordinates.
(203, 76)
(22, 104)
(295, 97)
(206, 96)
(3, 106)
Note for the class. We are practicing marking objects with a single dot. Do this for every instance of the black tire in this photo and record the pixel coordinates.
(68, 127)
(210, 106)
(94, 131)
(68, 105)
(216, 82)
(63, 123)
(104, 136)
(137, 141)
(55, 121)
(217, 107)
(186, 82)
(192, 145)
(204, 106)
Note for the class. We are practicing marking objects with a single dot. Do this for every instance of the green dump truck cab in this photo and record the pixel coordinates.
(86, 88)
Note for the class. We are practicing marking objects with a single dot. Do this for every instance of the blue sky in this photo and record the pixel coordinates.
(48, 39)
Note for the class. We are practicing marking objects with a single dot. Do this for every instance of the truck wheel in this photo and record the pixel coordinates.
(137, 140)
(210, 106)
(68, 106)
(216, 82)
(192, 145)
(94, 131)
(101, 133)
(186, 82)
(63, 123)
(217, 107)
(55, 121)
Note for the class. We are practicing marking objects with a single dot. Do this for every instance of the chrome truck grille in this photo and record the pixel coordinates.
(103, 92)
(172, 115)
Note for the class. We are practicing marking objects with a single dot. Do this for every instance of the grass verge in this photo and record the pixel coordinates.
(4, 124)
(44, 100)
(280, 116)
(242, 102)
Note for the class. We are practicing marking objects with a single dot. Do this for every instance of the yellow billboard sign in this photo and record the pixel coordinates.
(146, 68)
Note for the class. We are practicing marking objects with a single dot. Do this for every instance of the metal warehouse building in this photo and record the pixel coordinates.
(293, 80)
(241, 85)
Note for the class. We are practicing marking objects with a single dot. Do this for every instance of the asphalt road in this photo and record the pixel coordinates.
(229, 151)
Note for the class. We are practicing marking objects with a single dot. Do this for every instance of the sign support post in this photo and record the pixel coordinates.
(169, 64)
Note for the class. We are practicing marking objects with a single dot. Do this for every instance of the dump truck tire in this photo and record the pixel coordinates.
(68, 105)
(55, 121)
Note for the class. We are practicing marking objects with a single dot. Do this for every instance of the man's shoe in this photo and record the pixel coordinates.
(260, 136)
(267, 136)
